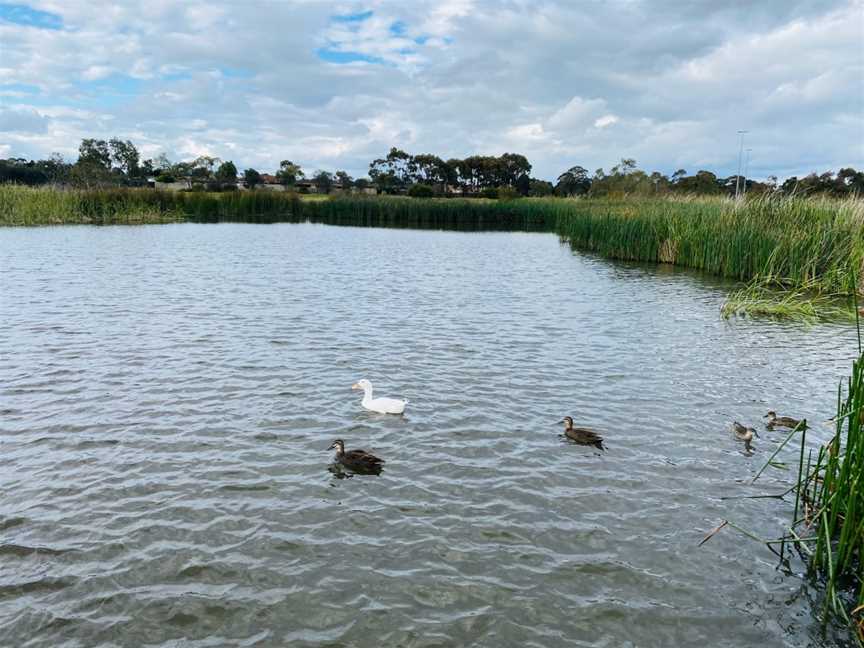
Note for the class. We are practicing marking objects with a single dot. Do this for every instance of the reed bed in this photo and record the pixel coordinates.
(799, 242)
(828, 519)
(767, 297)
(38, 206)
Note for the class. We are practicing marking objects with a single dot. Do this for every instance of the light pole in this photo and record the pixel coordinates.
(740, 155)
(746, 169)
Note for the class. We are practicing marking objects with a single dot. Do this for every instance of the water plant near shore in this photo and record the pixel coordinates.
(828, 520)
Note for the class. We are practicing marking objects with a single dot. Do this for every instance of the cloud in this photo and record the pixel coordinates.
(22, 120)
(335, 86)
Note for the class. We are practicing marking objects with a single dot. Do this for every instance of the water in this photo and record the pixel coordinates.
(168, 392)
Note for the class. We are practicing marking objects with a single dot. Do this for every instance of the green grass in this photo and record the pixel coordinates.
(829, 507)
(38, 206)
(799, 242)
(765, 297)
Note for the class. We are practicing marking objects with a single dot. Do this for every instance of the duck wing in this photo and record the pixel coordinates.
(361, 458)
(585, 437)
(386, 405)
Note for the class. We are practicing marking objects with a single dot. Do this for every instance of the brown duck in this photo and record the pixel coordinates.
(780, 421)
(582, 436)
(358, 461)
(744, 434)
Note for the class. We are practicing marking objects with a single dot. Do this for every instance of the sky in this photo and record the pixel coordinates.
(333, 85)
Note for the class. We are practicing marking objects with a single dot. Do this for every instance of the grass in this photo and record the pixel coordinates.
(39, 206)
(813, 243)
(829, 507)
(766, 297)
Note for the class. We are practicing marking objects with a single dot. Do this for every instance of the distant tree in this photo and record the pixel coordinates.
(540, 188)
(394, 172)
(429, 169)
(162, 163)
(851, 181)
(226, 173)
(289, 173)
(514, 170)
(573, 182)
(703, 183)
(660, 183)
(147, 168)
(323, 180)
(55, 168)
(125, 157)
(95, 153)
(362, 183)
(21, 171)
(252, 178)
(345, 180)
(93, 168)
(421, 191)
(200, 170)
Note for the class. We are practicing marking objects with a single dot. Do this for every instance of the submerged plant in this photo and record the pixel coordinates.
(773, 298)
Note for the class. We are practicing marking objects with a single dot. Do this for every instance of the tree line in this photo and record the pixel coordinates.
(117, 162)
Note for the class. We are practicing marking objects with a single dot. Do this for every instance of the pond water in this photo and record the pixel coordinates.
(168, 394)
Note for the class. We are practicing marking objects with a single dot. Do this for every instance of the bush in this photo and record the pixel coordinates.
(489, 192)
(165, 178)
(421, 191)
(508, 193)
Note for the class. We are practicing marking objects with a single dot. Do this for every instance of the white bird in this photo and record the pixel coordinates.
(380, 405)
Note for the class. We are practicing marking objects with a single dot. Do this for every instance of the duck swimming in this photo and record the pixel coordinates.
(780, 421)
(358, 461)
(380, 405)
(744, 434)
(582, 436)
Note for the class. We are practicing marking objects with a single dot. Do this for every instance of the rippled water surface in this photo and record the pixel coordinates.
(167, 395)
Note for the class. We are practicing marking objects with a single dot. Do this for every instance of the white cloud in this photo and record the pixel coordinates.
(564, 83)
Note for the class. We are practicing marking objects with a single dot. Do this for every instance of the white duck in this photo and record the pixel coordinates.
(380, 405)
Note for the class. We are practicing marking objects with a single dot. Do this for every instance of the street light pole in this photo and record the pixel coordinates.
(740, 155)
(746, 169)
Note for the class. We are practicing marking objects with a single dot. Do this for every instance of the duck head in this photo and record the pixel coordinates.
(772, 414)
(567, 421)
(362, 384)
(338, 445)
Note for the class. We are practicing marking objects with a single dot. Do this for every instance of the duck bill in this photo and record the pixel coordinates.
(356, 386)
(331, 446)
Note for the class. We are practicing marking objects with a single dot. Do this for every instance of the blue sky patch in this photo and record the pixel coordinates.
(398, 28)
(236, 73)
(19, 87)
(354, 17)
(110, 91)
(335, 56)
(24, 15)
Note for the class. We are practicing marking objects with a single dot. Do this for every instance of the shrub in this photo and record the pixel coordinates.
(489, 192)
(421, 191)
(508, 193)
